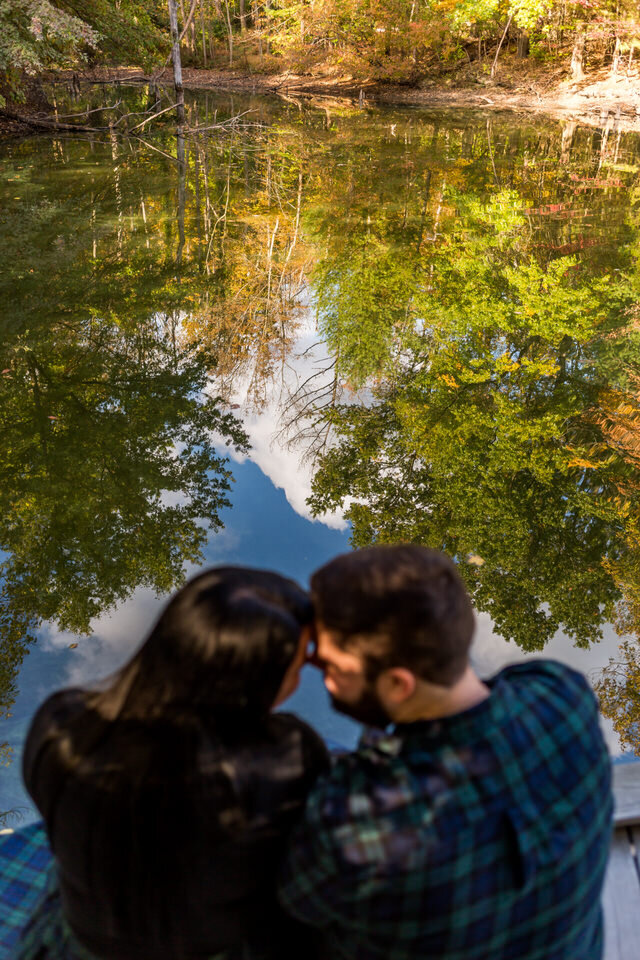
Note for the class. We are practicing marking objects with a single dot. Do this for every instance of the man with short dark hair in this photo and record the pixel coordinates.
(478, 826)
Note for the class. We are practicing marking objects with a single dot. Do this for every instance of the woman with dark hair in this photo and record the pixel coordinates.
(167, 794)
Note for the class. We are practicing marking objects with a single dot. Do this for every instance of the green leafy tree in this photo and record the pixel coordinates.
(40, 34)
(37, 34)
(477, 436)
(130, 31)
(618, 690)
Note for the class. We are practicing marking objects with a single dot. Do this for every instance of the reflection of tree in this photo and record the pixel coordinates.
(96, 434)
(255, 262)
(618, 690)
(479, 436)
(474, 360)
(108, 473)
(618, 415)
(618, 686)
(364, 209)
(108, 466)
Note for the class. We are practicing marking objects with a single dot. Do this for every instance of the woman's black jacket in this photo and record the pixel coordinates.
(168, 833)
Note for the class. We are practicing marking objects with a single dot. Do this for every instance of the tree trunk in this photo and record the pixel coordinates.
(204, 35)
(615, 60)
(258, 27)
(230, 31)
(243, 16)
(523, 45)
(267, 7)
(177, 62)
(579, 55)
(184, 21)
(494, 65)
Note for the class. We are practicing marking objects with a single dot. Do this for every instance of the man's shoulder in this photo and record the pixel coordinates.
(546, 679)
(544, 709)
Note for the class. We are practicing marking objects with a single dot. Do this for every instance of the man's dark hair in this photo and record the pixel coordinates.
(398, 606)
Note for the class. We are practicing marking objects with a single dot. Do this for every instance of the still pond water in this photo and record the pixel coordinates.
(326, 325)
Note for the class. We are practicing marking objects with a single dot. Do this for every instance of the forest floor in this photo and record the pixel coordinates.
(520, 85)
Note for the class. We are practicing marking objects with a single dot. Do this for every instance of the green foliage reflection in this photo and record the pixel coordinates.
(109, 476)
(487, 365)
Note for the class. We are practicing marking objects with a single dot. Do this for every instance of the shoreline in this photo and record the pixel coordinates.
(596, 101)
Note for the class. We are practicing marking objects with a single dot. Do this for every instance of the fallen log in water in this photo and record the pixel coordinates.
(48, 124)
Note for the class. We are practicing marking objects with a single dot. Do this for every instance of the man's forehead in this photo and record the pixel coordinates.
(332, 643)
(355, 644)
(343, 652)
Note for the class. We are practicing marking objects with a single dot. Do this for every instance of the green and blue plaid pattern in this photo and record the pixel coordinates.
(31, 921)
(25, 862)
(482, 836)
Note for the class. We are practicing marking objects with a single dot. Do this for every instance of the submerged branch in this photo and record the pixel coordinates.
(85, 113)
(153, 117)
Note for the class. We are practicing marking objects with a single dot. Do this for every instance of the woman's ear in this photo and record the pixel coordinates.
(396, 685)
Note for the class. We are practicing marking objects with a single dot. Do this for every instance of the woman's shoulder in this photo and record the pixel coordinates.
(58, 709)
(49, 723)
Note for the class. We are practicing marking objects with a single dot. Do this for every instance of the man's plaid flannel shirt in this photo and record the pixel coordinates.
(481, 836)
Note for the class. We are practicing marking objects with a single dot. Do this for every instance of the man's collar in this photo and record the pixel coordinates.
(458, 728)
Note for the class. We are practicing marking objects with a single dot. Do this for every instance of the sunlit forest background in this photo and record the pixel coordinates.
(388, 40)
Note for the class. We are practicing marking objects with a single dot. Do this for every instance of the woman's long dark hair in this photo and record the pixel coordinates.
(165, 758)
(221, 645)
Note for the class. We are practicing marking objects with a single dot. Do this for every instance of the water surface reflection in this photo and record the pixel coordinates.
(428, 322)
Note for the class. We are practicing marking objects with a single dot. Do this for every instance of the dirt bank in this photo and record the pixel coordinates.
(594, 101)
(598, 100)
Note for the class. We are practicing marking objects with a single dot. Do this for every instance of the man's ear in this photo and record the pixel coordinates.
(396, 685)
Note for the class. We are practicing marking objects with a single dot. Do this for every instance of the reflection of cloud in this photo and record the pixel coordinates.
(490, 653)
(280, 462)
(172, 498)
(221, 544)
(116, 635)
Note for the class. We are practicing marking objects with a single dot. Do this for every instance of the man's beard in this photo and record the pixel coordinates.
(367, 710)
